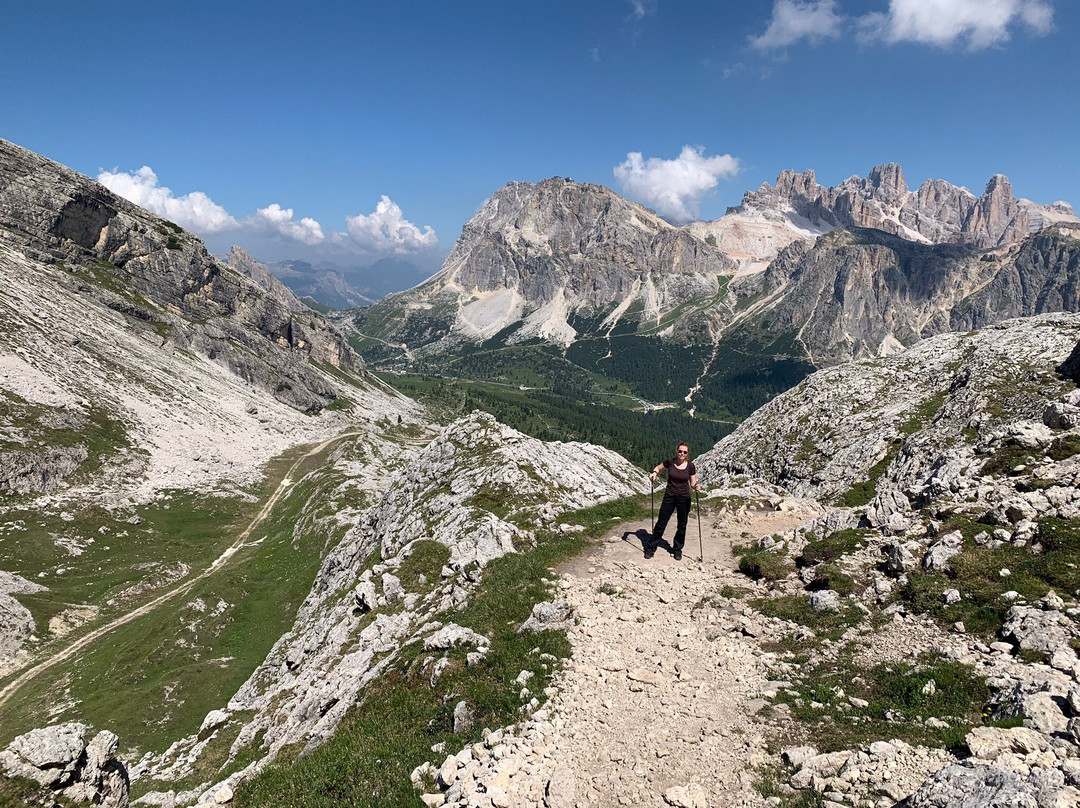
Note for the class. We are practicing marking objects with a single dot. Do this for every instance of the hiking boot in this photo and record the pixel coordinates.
(678, 555)
(650, 553)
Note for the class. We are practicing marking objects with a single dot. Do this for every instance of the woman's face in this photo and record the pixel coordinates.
(682, 453)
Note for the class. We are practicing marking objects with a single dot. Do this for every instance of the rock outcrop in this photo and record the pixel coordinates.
(924, 420)
(480, 490)
(60, 759)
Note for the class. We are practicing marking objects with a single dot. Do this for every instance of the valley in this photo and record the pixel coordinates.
(393, 556)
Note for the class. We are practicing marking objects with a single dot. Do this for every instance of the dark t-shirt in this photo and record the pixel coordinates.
(678, 484)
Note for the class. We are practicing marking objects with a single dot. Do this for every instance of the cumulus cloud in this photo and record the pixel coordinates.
(977, 23)
(195, 211)
(387, 230)
(674, 187)
(280, 221)
(792, 20)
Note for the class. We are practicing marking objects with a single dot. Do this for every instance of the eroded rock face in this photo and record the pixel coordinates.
(537, 256)
(936, 212)
(60, 759)
(157, 273)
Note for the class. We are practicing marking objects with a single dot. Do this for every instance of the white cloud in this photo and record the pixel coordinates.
(977, 23)
(642, 8)
(793, 20)
(674, 187)
(280, 221)
(384, 231)
(387, 230)
(195, 211)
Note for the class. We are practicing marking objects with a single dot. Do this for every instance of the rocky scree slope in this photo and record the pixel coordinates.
(931, 414)
(480, 490)
(953, 467)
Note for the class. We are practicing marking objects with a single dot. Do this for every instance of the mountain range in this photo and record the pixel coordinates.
(344, 288)
(729, 312)
(229, 542)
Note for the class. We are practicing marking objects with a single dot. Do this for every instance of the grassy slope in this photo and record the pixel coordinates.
(153, 680)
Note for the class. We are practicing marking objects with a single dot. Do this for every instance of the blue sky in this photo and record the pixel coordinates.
(348, 131)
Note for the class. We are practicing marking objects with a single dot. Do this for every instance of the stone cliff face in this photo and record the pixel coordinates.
(937, 212)
(148, 268)
(538, 254)
(859, 293)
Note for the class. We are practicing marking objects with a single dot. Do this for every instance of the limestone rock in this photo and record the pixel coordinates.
(1038, 630)
(549, 615)
(938, 555)
(983, 786)
(688, 796)
(59, 758)
(825, 600)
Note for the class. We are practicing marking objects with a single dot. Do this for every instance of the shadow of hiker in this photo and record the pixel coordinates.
(644, 537)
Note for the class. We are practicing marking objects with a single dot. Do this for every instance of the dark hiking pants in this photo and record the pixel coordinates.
(681, 506)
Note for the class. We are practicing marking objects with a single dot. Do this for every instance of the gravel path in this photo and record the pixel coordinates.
(656, 706)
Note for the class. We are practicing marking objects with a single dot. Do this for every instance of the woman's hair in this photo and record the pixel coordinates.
(687, 445)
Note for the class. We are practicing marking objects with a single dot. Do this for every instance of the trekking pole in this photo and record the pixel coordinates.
(652, 504)
(701, 547)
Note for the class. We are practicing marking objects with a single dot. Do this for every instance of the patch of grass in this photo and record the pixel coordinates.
(1005, 459)
(923, 414)
(1064, 447)
(770, 782)
(863, 491)
(765, 565)
(426, 558)
(899, 698)
(833, 546)
(797, 609)
(21, 792)
(830, 576)
(976, 575)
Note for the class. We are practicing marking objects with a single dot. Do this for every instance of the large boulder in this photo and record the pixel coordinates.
(60, 759)
(974, 785)
(1039, 630)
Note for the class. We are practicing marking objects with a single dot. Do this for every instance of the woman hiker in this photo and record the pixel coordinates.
(682, 476)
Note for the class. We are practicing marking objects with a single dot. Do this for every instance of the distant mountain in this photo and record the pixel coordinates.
(938, 212)
(552, 260)
(387, 275)
(348, 287)
(720, 315)
(327, 286)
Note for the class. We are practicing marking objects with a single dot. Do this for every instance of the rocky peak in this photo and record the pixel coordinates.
(240, 260)
(889, 180)
(542, 253)
(936, 213)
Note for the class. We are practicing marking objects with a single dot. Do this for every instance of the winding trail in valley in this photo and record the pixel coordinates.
(69, 651)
